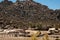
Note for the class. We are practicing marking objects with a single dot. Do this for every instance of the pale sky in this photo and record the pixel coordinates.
(52, 4)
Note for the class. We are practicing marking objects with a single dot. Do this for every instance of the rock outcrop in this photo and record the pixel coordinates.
(27, 14)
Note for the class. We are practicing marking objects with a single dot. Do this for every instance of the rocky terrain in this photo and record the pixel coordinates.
(24, 14)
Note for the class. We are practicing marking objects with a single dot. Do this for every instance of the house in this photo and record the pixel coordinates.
(53, 30)
(12, 33)
(12, 30)
(31, 32)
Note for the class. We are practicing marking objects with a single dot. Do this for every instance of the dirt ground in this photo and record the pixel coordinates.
(51, 37)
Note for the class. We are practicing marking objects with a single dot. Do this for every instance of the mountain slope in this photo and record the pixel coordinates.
(27, 14)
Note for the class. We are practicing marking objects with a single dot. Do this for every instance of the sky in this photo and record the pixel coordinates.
(52, 4)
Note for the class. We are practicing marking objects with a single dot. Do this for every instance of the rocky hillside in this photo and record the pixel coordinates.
(27, 14)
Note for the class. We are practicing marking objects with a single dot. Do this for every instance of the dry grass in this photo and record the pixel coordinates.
(34, 37)
(22, 38)
(45, 37)
(14, 38)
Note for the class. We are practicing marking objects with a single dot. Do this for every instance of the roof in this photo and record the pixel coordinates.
(51, 28)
